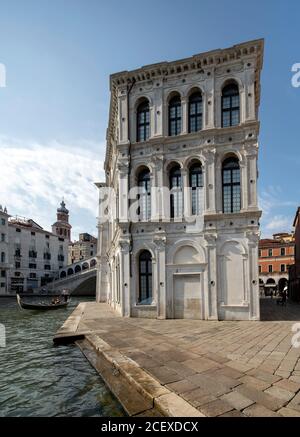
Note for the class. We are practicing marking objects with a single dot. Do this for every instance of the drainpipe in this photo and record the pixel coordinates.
(129, 88)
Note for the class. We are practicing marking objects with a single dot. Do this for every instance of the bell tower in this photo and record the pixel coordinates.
(62, 227)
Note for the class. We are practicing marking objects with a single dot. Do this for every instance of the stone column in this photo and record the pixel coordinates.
(253, 239)
(123, 191)
(209, 181)
(157, 195)
(184, 115)
(125, 277)
(251, 159)
(211, 306)
(186, 193)
(160, 242)
(123, 115)
(244, 184)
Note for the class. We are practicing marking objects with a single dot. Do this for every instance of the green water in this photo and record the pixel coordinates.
(39, 379)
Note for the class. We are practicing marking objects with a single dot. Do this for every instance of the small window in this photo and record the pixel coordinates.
(32, 275)
(282, 251)
(195, 112)
(47, 236)
(196, 185)
(17, 265)
(32, 266)
(145, 278)
(143, 121)
(144, 196)
(176, 200)
(175, 116)
(231, 185)
(3, 274)
(18, 230)
(230, 105)
(47, 267)
(2, 237)
(270, 252)
(32, 233)
(259, 253)
(259, 269)
(3, 257)
(2, 284)
(282, 268)
(270, 268)
(3, 221)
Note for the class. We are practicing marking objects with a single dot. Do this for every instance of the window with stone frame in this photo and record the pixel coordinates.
(231, 185)
(230, 105)
(144, 195)
(175, 116)
(196, 187)
(195, 112)
(145, 278)
(143, 121)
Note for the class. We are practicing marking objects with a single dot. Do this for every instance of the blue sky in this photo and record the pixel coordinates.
(58, 56)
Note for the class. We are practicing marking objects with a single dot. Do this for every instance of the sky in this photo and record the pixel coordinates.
(58, 55)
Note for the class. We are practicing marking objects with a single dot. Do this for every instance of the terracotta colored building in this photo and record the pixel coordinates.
(275, 257)
(294, 271)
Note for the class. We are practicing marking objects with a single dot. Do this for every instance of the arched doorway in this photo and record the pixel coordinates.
(282, 283)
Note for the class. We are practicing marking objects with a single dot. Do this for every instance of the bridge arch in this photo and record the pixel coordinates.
(70, 271)
(85, 266)
(77, 268)
(63, 274)
(93, 263)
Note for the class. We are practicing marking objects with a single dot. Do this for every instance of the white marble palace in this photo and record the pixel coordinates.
(184, 244)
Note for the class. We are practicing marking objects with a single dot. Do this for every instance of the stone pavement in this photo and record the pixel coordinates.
(220, 368)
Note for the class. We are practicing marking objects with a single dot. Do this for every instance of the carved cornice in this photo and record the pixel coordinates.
(204, 64)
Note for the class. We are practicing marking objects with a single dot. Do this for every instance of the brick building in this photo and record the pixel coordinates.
(275, 256)
(294, 271)
(84, 248)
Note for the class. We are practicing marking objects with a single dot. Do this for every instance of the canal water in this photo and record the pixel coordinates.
(40, 379)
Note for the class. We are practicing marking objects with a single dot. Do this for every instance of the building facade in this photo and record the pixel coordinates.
(4, 253)
(179, 223)
(275, 257)
(84, 248)
(33, 256)
(294, 270)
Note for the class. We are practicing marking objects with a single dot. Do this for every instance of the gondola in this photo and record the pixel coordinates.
(41, 306)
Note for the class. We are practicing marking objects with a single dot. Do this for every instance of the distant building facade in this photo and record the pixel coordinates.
(32, 255)
(275, 257)
(294, 271)
(84, 248)
(4, 251)
(188, 128)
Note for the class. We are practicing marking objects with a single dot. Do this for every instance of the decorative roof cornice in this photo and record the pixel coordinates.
(199, 62)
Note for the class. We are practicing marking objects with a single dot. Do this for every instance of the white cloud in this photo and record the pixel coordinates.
(277, 211)
(279, 223)
(34, 178)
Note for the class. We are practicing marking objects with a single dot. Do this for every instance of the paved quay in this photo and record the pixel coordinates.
(193, 367)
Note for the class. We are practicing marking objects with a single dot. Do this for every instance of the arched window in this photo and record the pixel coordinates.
(175, 116)
(176, 203)
(143, 121)
(230, 105)
(195, 112)
(231, 185)
(196, 185)
(144, 210)
(145, 278)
